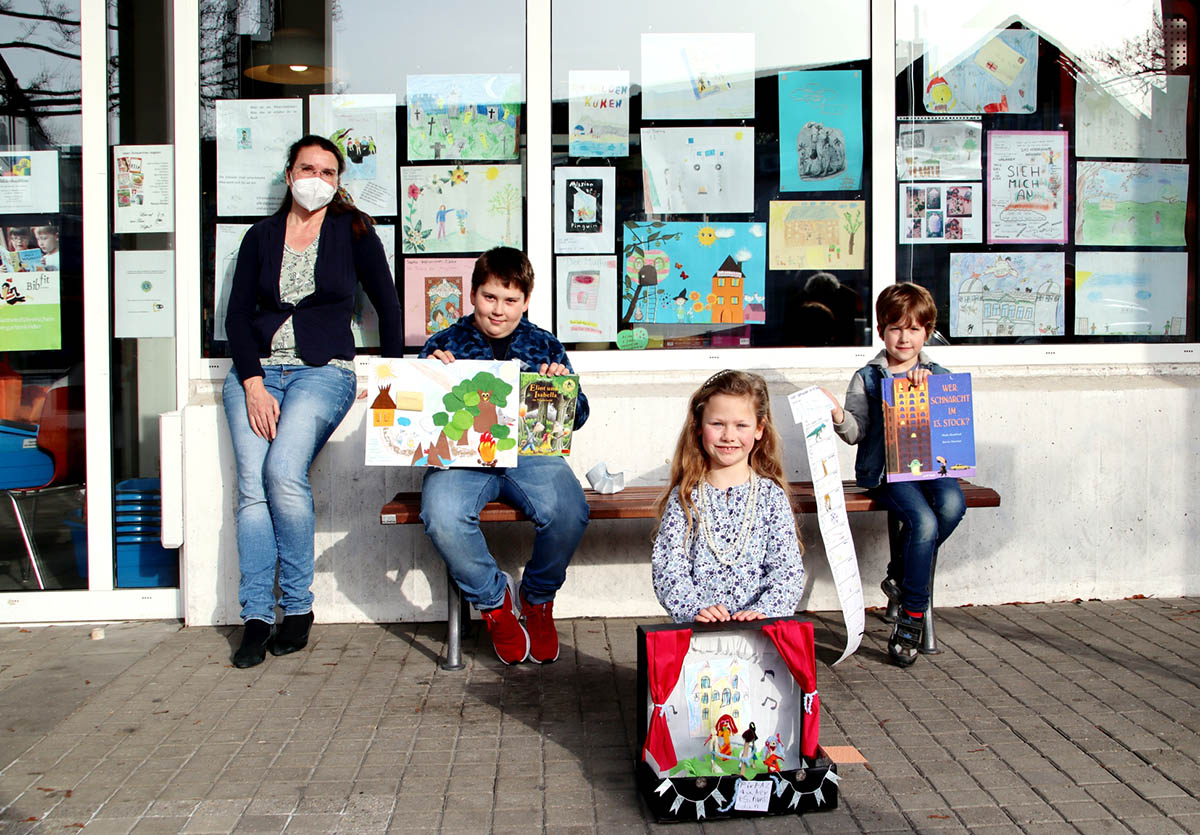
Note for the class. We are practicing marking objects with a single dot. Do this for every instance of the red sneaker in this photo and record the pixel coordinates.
(508, 635)
(543, 636)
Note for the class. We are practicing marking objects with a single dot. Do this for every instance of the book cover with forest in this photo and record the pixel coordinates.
(929, 429)
(546, 414)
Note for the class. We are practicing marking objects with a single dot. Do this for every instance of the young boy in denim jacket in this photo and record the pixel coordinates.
(928, 510)
(543, 488)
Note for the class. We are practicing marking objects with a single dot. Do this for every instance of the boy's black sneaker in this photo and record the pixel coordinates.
(905, 640)
(892, 590)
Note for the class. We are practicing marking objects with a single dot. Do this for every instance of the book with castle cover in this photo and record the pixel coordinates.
(929, 429)
(546, 414)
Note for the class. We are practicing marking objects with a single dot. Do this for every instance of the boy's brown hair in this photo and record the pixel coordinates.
(906, 302)
(507, 265)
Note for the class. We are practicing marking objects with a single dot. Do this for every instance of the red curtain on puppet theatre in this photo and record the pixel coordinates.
(665, 652)
(794, 640)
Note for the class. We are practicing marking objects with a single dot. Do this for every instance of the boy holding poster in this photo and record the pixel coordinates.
(543, 488)
(928, 510)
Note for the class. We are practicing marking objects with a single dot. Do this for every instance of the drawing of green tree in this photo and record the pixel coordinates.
(505, 202)
(852, 225)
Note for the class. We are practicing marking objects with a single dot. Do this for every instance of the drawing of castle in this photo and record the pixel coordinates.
(719, 689)
(1013, 311)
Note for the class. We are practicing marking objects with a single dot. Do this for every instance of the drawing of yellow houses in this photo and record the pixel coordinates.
(719, 687)
(816, 234)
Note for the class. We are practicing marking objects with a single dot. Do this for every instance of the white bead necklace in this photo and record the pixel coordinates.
(733, 553)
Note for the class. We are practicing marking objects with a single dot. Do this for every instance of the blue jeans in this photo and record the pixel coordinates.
(275, 517)
(544, 489)
(929, 511)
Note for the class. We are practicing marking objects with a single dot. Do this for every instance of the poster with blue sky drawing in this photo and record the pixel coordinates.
(598, 110)
(1006, 294)
(1130, 203)
(820, 130)
(693, 273)
(463, 116)
(460, 208)
(1140, 293)
(698, 170)
(996, 75)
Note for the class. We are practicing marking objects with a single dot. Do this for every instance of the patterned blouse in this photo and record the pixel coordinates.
(768, 577)
(297, 279)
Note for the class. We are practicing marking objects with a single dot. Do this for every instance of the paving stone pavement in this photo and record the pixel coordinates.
(1042, 718)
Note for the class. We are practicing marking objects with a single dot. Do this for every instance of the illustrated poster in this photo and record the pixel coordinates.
(426, 413)
(463, 116)
(547, 414)
(820, 130)
(364, 129)
(586, 287)
(939, 150)
(1108, 124)
(941, 213)
(698, 170)
(817, 234)
(144, 188)
(811, 409)
(461, 208)
(584, 209)
(997, 75)
(437, 293)
(598, 112)
(28, 182)
(143, 293)
(228, 242)
(693, 273)
(1006, 294)
(1130, 203)
(253, 137)
(30, 310)
(697, 76)
(1138, 293)
(929, 429)
(1027, 188)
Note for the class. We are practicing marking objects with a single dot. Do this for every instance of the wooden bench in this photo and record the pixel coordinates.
(639, 503)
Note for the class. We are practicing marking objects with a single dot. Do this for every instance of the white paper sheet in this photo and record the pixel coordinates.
(697, 75)
(364, 129)
(810, 408)
(143, 188)
(229, 240)
(587, 298)
(28, 182)
(143, 293)
(253, 137)
(698, 170)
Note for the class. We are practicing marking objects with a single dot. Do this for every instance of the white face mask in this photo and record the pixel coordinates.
(312, 193)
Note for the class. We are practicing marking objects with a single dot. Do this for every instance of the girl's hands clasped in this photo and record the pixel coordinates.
(718, 613)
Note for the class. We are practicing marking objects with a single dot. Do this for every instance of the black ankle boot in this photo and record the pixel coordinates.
(256, 638)
(293, 634)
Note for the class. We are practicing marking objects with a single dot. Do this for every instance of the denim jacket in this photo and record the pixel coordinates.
(863, 421)
(531, 345)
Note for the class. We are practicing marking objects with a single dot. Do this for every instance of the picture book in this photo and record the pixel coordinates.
(547, 414)
(424, 413)
(929, 429)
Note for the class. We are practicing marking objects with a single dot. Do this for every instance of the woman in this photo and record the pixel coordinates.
(293, 380)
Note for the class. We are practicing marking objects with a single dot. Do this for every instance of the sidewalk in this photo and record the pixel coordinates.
(1040, 718)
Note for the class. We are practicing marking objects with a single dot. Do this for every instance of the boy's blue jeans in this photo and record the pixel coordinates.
(544, 489)
(929, 512)
(275, 518)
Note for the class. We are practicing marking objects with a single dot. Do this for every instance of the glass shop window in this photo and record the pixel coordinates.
(694, 152)
(428, 112)
(1047, 168)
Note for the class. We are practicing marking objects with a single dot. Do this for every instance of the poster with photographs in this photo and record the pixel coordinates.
(941, 213)
(144, 191)
(584, 199)
(28, 182)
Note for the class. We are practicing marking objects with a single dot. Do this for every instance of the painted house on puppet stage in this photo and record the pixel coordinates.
(1014, 311)
(719, 690)
(728, 286)
(811, 224)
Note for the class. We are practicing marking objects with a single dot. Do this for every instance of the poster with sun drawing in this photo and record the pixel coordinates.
(996, 75)
(460, 208)
(730, 718)
(817, 234)
(424, 413)
(698, 170)
(693, 273)
(463, 116)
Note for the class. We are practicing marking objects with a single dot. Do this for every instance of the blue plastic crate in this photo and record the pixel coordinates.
(146, 564)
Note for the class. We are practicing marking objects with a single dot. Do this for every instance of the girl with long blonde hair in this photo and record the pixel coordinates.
(727, 546)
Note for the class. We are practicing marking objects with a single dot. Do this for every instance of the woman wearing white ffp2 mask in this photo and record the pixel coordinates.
(288, 328)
